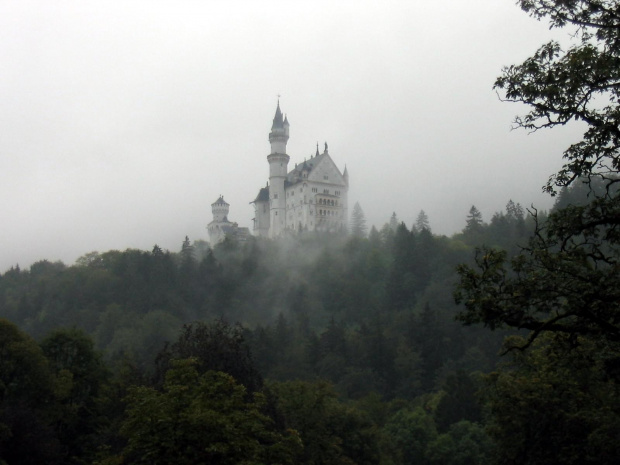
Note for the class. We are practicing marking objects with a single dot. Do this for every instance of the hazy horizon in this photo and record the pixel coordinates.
(122, 122)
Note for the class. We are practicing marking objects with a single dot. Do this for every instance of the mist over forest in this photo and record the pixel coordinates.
(392, 344)
(362, 318)
(363, 323)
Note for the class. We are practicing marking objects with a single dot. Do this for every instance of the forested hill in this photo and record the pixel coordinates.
(309, 349)
(397, 283)
(372, 318)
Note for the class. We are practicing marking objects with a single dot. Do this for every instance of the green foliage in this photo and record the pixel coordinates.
(465, 443)
(81, 379)
(201, 418)
(560, 86)
(474, 223)
(411, 432)
(567, 278)
(218, 346)
(332, 433)
(26, 390)
(459, 402)
(557, 403)
(372, 316)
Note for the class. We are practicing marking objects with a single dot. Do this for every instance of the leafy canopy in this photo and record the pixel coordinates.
(568, 278)
(579, 84)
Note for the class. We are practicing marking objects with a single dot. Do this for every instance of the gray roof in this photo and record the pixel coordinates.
(278, 121)
(294, 175)
(263, 195)
(220, 201)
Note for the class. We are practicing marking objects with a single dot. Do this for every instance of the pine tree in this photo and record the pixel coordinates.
(358, 221)
(393, 222)
(474, 221)
(422, 222)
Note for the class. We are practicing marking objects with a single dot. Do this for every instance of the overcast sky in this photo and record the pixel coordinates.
(122, 121)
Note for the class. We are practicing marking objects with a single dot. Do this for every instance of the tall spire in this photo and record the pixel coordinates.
(279, 132)
(278, 120)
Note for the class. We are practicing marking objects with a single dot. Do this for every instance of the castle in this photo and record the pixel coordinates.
(311, 197)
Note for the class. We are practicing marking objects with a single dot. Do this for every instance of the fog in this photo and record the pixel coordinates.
(121, 122)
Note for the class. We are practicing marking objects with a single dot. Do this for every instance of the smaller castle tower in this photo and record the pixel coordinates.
(220, 224)
(221, 227)
(220, 209)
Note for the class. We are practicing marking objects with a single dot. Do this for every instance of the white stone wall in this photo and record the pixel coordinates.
(261, 219)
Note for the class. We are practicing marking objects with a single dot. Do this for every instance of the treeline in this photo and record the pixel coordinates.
(353, 340)
(397, 281)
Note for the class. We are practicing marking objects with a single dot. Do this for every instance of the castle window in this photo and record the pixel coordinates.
(314, 189)
(275, 196)
(325, 191)
(325, 177)
(337, 192)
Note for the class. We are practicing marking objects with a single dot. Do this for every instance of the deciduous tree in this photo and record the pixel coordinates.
(564, 287)
(202, 418)
(568, 278)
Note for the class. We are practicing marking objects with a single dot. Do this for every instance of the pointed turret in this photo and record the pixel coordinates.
(278, 121)
(345, 175)
(279, 132)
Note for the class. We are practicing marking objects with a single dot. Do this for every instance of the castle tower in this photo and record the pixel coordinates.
(220, 224)
(278, 168)
(220, 210)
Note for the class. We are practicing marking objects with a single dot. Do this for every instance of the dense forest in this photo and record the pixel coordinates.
(365, 326)
(500, 344)
(344, 347)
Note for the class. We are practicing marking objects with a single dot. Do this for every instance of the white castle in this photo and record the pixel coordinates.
(313, 196)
